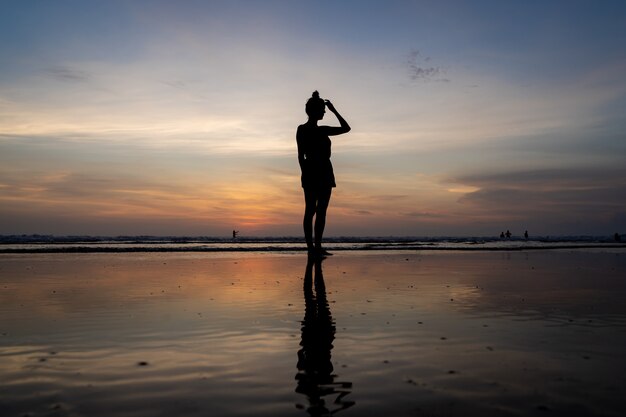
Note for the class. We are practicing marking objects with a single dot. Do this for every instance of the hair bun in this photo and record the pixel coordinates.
(315, 94)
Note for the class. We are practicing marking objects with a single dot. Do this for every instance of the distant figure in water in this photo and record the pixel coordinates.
(526, 235)
(508, 234)
(501, 235)
(317, 178)
(235, 233)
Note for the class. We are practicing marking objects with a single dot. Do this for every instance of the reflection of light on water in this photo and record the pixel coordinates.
(220, 332)
(464, 294)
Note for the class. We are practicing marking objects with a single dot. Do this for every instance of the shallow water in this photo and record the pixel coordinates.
(365, 334)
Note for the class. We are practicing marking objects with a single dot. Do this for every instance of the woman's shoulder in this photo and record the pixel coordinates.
(306, 130)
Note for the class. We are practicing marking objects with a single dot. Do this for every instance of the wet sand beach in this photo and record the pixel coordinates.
(406, 333)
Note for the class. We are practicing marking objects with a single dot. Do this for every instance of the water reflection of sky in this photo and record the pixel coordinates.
(403, 334)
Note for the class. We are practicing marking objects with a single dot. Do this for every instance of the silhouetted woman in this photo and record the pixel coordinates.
(318, 178)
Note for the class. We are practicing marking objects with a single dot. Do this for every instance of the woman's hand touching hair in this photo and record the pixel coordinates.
(330, 106)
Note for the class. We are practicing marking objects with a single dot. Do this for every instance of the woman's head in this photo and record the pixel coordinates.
(315, 107)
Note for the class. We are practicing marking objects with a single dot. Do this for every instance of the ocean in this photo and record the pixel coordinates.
(80, 244)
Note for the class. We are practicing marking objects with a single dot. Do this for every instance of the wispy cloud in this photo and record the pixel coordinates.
(68, 74)
(426, 215)
(421, 69)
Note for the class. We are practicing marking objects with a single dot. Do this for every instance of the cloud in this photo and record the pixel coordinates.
(68, 74)
(547, 178)
(88, 188)
(426, 215)
(419, 70)
(390, 197)
(567, 201)
(181, 85)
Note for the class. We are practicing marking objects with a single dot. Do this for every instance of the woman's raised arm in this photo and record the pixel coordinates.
(332, 131)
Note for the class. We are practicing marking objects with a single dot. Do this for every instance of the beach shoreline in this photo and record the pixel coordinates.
(291, 245)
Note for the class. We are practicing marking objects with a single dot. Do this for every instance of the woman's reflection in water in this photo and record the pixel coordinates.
(315, 375)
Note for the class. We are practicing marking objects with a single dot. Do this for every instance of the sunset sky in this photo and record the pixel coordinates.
(179, 117)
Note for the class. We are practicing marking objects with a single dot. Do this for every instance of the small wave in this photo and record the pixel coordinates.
(93, 244)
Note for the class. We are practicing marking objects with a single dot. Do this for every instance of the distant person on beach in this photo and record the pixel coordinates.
(235, 233)
(508, 234)
(318, 178)
(501, 235)
(526, 235)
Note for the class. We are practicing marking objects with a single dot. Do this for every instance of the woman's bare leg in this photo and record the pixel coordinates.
(323, 199)
(310, 201)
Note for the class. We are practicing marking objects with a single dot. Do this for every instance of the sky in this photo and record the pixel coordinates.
(179, 117)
